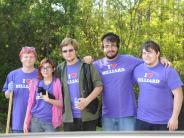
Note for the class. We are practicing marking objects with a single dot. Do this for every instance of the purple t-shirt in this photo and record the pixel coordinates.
(42, 109)
(155, 102)
(117, 77)
(22, 83)
(73, 86)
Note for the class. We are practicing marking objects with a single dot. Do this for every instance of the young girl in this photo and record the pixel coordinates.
(44, 113)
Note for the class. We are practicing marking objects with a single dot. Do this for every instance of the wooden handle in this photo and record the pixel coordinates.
(9, 112)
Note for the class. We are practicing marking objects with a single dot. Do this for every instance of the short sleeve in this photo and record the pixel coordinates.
(8, 79)
(173, 78)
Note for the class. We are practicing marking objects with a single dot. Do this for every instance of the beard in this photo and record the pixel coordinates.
(112, 56)
(71, 60)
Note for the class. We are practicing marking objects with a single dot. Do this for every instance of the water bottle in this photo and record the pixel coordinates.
(76, 101)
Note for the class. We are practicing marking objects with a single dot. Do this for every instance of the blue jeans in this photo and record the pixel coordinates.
(118, 124)
(38, 125)
(142, 125)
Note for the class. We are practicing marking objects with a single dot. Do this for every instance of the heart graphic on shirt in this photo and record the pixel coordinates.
(74, 75)
(113, 65)
(150, 75)
(28, 81)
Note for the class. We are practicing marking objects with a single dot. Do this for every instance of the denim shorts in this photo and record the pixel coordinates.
(37, 125)
(118, 124)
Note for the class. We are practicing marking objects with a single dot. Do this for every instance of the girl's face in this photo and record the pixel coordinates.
(47, 70)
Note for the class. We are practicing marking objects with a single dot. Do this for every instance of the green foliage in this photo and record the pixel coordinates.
(45, 23)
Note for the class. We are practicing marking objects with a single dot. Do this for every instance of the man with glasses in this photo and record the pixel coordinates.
(19, 81)
(76, 115)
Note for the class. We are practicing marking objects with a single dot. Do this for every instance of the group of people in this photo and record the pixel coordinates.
(46, 97)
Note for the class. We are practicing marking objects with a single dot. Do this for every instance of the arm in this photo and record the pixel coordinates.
(97, 83)
(28, 116)
(178, 99)
(30, 105)
(83, 102)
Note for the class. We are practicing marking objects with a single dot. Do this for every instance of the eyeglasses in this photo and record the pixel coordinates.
(110, 46)
(69, 50)
(46, 68)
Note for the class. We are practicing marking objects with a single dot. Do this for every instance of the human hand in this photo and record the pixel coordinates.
(81, 105)
(45, 97)
(10, 86)
(88, 59)
(165, 62)
(172, 124)
(25, 128)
